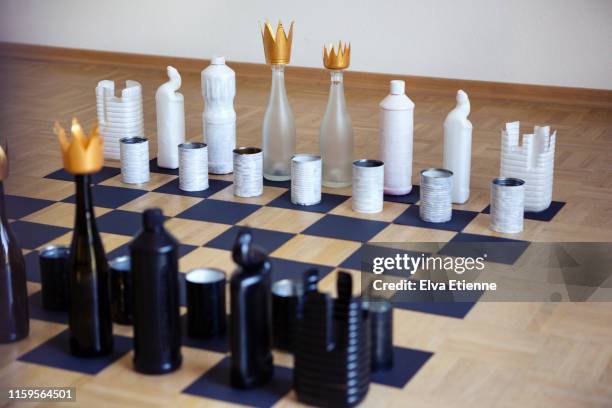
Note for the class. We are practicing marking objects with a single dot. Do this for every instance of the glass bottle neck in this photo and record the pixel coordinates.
(84, 202)
(278, 80)
(337, 77)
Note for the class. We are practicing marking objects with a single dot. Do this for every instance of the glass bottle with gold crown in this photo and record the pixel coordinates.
(91, 329)
(336, 134)
(278, 131)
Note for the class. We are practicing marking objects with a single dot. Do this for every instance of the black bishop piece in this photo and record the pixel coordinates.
(251, 315)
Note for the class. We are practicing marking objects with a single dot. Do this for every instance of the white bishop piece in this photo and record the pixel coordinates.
(170, 108)
(119, 117)
(533, 162)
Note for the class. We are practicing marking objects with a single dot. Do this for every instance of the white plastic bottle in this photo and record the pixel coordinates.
(458, 147)
(219, 116)
(170, 107)
(395, 133)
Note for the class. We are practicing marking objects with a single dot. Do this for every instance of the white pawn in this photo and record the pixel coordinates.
(170, 120)
(458, 147)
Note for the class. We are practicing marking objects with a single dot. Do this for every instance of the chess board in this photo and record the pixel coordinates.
(328, 236)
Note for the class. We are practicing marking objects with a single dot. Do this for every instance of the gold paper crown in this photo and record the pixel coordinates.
(277, 47)
(4, 168)
(339, 59)
(84, 154)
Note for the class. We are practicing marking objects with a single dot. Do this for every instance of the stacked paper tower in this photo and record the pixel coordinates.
(533, 162)
(119, 117)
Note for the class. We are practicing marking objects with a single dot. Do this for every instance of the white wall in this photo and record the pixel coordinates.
(551, 42)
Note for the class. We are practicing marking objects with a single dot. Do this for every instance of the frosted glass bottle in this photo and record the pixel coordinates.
(336, 137)
(458, 147)
(278, 130)
(396, 139)
(219, 117)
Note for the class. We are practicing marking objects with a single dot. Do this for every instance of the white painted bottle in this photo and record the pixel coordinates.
(395, 133)
(458, 147)
(219, 117)
(170, 107)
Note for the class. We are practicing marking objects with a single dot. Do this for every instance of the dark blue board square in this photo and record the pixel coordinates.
(31, 235)
(17, 207)
(32, 266)
(546, 215)
(267, 239)
(215, 384)
(460, 219)
(120, 222)
(328, 203)
(280, 184)
(218, 344)
(104, 174)
(407, 362)
(493, 249)
(412, 197)
(348, 228)
(110, 196)
(224, 212)
(154, 168)
(286, 269)
(38, 313)
(172, 187)
(124, 249)
(56, 353)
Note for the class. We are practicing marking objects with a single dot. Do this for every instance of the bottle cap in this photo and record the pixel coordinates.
(398, 87)
(153, 218)
(217, 60)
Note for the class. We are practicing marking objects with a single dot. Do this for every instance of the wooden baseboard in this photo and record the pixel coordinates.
(583, 97)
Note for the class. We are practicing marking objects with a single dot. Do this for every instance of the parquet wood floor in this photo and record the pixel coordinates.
(499, 355)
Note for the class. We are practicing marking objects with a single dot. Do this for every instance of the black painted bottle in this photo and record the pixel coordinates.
(157, 331)
(251, 315)
(14, 316)
(91, 327)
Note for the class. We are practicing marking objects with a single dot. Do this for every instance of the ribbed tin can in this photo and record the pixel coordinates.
(507, 205)
(193, 166)
(134, 160)
(436, 195)
(305, 179)
(248, 172)
(368, 185)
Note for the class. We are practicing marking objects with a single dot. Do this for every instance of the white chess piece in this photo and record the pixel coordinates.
(219, 117)
(458, 147)
(118, 117)
(395, 137)
(170, 120)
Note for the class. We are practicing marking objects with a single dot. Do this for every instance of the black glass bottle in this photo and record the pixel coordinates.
(251, 315)
(91, 328)
(14, 316)
(156, 307)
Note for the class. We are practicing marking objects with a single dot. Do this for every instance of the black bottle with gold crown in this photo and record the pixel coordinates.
(91, 330)
(14, 316)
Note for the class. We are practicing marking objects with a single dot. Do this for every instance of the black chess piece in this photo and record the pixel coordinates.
(156, 306)
(14, 313)
(251, 319)
(332, 350)
(91, 326)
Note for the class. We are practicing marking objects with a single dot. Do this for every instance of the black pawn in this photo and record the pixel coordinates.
(251, 315)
